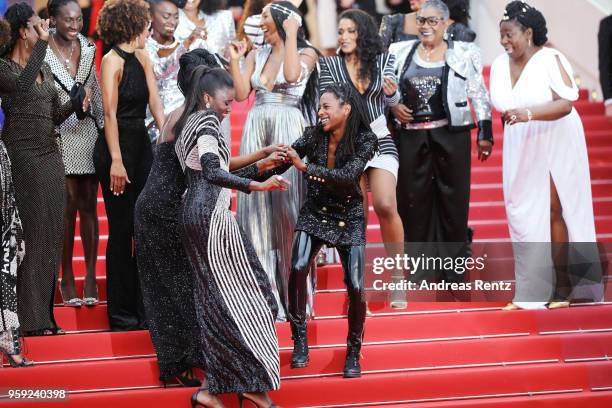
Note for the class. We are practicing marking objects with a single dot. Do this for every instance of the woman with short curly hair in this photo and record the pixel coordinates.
(123, 155)
(362, 63)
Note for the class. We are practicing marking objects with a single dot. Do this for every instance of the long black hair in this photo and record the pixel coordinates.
(309, 99)
(356, 122)
(17, 17)
(369, 43)
(527, 17)
(203, 79)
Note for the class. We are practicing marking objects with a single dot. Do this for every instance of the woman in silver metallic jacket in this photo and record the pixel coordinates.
(433, 123)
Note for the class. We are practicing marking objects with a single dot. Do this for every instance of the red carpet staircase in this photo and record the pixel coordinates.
(429, 355)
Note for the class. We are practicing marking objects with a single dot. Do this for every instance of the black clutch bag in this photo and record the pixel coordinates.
(77, 97)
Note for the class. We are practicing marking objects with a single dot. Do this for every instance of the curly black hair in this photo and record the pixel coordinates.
(17, 17)
(54, 6)
(369, 43)
(122, 21)
(309, 99)
(527, 17)
(357, 120)
(459, 10)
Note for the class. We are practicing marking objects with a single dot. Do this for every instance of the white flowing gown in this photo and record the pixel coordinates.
(532, 153)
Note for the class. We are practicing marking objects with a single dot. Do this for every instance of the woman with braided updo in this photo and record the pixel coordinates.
(547, 188)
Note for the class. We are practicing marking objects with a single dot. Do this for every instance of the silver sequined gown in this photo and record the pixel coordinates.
(166, 71)
(268, 219)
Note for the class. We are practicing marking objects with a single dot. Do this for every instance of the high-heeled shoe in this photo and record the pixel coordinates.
(73, 302)
(194, 399)
(510, 306)
(188, 380)
(90, 300)
(241, 397)
(559, 304)
(10, 346)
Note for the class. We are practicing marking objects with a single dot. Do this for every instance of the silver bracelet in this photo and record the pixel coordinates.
(529, 115)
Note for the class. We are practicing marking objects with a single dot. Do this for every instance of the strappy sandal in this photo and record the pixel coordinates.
(73, 302)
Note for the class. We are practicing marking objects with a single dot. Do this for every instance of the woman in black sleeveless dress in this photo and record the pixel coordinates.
(123, 156)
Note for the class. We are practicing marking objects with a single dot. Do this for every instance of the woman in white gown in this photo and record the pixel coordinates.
(546, 181)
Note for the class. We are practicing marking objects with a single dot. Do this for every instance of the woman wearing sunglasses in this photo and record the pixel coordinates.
(436, 78)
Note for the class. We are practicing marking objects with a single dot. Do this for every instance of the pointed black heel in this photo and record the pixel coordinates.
(242, 397)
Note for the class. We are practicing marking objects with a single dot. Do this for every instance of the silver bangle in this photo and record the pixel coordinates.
(529, 115)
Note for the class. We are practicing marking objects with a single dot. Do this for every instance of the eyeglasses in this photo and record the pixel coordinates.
(431, 21)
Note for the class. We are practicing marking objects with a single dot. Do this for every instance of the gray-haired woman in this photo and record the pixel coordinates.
(436, 79)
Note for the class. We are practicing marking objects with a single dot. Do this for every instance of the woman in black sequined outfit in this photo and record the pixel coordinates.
(333, 214)
(234, 305)
(165, 275)
(123, 155)
(33, 110)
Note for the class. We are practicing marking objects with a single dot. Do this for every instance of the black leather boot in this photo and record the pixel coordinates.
(352, 368)
(299, 357)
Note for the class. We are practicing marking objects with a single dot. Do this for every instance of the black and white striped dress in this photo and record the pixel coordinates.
(234, 305)
(334, 69)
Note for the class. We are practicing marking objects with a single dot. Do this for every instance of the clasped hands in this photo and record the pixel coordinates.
(279, 154)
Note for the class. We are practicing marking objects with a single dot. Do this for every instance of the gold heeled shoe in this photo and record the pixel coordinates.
(558, 305)
(510, 306)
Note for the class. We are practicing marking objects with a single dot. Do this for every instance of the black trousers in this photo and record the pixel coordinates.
(305, 248)
(125, 308)
(433, 194)
(433, 187)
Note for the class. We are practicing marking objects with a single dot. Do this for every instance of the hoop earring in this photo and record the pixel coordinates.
(207, 105)
(25, 42)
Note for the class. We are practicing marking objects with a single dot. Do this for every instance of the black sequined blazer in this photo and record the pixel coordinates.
(333, 209)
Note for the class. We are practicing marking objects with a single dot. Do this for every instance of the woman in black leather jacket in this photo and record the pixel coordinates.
(333, 214)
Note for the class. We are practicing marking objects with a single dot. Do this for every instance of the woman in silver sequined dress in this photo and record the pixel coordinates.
(280, 72)
(164, 50)
(210, 15)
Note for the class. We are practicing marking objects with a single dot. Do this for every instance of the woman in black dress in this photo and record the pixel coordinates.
(123, 156)
(12, 251)
(165, 277)
(31, 105)
(333, 214)
(235, 309)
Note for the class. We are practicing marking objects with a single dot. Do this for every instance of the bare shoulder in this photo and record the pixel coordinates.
(111, 63)
(143, 57)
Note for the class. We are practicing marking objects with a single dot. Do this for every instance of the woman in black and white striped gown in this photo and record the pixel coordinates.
(362, 64)
(234, 305)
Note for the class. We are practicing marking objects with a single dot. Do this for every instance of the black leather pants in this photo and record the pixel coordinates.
(305, 248)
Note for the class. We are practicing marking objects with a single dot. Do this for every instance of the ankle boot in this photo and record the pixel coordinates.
(299, 357)
(352, 368)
